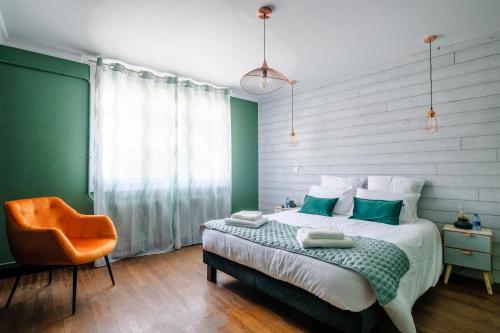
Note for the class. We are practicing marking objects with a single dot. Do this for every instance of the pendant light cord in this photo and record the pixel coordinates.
(292, 106)
(264, 19)
(430, 68)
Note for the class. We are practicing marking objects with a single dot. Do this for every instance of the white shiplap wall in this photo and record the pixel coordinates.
(369, 123)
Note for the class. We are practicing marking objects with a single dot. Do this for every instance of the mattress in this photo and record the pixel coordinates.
(343, 288)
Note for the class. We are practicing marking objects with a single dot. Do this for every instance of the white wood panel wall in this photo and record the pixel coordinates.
(369, 123)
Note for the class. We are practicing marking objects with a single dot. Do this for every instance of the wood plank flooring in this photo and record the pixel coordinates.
(170, 293)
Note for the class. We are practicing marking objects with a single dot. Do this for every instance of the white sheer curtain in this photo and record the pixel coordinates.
(161, 157)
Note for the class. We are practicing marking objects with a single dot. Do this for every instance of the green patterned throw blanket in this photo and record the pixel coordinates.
(382, 263)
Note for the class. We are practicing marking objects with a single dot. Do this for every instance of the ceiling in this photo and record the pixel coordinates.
(220, 40)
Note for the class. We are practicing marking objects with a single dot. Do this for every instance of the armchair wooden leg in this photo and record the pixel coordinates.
(14, 287)
(50, 275)
(75, 282)
(109, 269)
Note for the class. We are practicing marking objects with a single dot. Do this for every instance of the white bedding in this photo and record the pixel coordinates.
(341, 287)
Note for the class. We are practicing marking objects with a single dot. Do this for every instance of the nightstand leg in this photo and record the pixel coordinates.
(487, 282)
(447, 273)
(491, 279)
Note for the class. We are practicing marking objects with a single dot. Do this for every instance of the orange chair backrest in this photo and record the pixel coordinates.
(44, 212)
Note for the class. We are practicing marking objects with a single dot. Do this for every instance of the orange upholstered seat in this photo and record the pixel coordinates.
(48, 232)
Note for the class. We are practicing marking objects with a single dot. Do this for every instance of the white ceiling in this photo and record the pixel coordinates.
(220, 40)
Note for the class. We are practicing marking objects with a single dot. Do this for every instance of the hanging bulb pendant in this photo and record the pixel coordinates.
(292, 139)
(431, 122)
(264, 82)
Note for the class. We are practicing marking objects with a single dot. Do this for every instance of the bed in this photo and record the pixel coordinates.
(349, 295)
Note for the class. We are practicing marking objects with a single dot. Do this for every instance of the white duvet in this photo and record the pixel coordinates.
(343, 288)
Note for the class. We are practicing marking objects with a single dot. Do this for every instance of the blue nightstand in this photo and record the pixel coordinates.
(468, 248)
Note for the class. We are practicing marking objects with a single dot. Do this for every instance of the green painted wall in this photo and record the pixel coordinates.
(244, 134)
(44, 129)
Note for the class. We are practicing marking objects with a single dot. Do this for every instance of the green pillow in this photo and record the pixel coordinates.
(318, 206)
(382, 211)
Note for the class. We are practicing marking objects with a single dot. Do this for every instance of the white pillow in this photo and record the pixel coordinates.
(408, 211)
(345, 195)
(395, 184)
(342, 182)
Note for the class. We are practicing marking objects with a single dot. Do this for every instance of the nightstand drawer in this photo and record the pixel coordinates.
(467, 241)
(466, 258)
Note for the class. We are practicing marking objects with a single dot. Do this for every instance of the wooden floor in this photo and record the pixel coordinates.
(170, 293)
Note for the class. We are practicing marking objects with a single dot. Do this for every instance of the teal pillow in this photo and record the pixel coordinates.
(382, 211)
(318, 206)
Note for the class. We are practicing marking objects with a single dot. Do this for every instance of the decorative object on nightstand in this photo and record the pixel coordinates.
(279, 209)
(462, 219)
(468, 248)
(289, 203)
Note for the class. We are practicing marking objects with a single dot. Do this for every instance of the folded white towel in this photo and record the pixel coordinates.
(250, 215)
(323, 233)
(245, 223)
(306, 242)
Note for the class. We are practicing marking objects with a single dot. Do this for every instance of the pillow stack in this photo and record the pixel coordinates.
(342, 189)
(388, 199)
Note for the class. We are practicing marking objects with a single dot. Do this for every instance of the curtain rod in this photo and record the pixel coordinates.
(181, 79)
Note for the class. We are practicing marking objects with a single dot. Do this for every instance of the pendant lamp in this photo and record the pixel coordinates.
(263, 80)
(431, 121)
(292, 137)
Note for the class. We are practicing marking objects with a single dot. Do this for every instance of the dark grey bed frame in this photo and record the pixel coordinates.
(300, 299)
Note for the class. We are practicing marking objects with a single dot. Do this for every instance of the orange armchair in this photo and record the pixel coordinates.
(46, 231)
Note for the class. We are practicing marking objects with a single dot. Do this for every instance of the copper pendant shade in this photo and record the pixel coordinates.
(263, 80)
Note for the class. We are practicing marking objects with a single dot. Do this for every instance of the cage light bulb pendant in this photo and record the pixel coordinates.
(431, 124)
(263, 80)
(292, 137)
